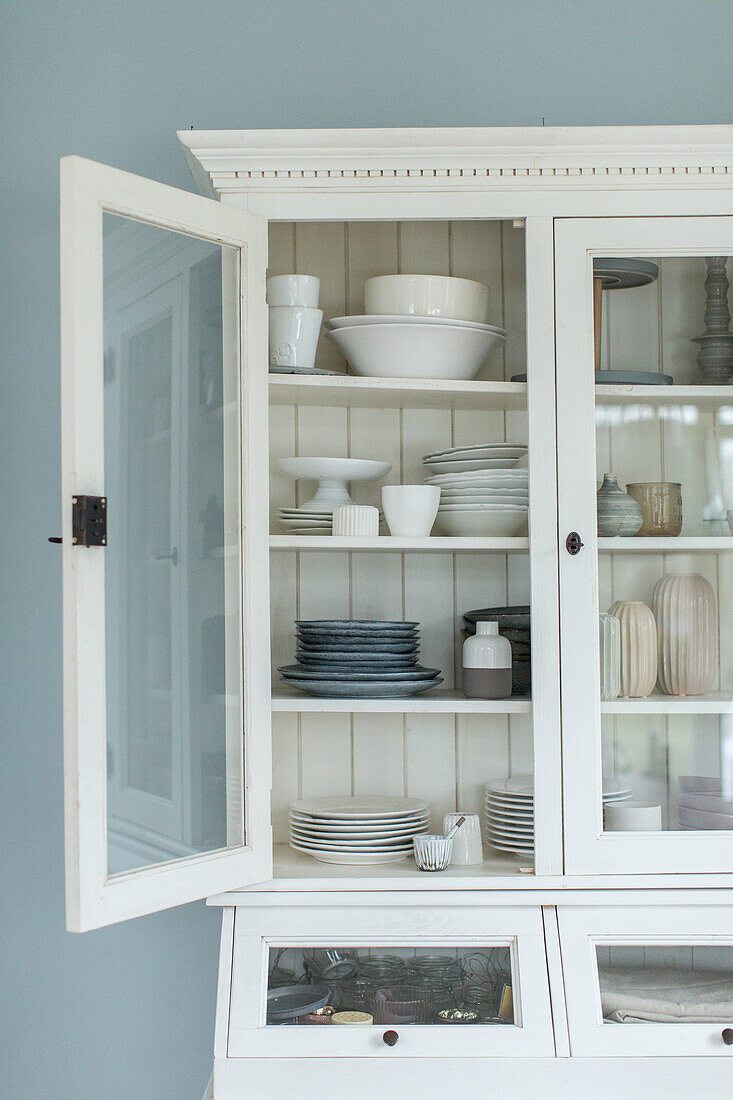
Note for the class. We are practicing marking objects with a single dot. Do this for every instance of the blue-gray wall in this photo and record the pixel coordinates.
(128, 1011)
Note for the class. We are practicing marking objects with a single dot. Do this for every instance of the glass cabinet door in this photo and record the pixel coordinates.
(163, 348)
(649, 981)
(301, 989)
(645, 454)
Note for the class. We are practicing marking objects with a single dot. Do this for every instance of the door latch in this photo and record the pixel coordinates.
(573, 543)
(89, 521)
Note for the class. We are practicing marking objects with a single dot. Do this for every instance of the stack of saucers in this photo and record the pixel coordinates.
(484, 488)
(359, 659)
(363, 830)
(509, 812)
(306, 521)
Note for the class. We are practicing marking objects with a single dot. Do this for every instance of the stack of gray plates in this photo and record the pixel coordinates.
(359, 659)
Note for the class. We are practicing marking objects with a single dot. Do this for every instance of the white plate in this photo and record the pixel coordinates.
(346, 828)
(368, 842)
(500, 479)
(354, 859)
(361, 807)
(398, 318)
(521, 853)
(395, 832)
(490, 451)
(469, 465)
(465, 507)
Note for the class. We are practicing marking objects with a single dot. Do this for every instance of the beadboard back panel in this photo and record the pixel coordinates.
(444, 758)
(651, 328)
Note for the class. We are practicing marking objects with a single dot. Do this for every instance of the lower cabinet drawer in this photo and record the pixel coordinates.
(408, 981)
(648, 981)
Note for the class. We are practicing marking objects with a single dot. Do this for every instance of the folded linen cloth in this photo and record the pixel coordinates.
(666, 995)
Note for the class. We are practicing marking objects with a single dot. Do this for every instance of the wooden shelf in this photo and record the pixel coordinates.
(290, 700)
(715, 702)
(703, 396)
(681, 544)
(395, 393)
(290, 864)
(386, 543)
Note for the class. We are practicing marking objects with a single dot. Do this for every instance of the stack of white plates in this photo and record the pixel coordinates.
(509, 812)
(483, 488)
(305, 521)
(357, 831)
(704, 803)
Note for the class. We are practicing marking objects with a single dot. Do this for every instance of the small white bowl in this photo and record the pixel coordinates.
(293, 290)
(356, 520)
(410, 510)
(633, 817)
(427, 296)
(432, 853)
(413, 350)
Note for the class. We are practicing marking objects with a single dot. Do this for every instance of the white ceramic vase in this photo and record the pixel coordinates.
(687, 625)
(610, 645)
(638, 632)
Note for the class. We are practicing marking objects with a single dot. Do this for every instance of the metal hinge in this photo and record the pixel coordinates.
(89, 521)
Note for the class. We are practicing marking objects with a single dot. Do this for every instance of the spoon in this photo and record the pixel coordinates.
(454, 830)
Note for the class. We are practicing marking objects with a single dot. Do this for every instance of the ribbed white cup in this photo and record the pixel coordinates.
(356, 520)
(432, 853)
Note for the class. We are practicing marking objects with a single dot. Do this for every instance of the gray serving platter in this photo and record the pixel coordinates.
(361, 689)
(303, 672)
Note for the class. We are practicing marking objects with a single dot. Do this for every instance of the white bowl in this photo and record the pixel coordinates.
(410, 510)
(293, 290)
(482, 523)
(427, 296)
(391, 318)
(415, 350)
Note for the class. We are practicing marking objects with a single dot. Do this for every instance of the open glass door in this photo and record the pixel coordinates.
(645, 460)
(165, 560)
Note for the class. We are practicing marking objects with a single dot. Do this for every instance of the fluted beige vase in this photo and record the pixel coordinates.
(687, 627)
(638, 647)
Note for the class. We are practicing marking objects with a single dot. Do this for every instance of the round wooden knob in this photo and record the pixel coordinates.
(727, 1036)
(391, 1037)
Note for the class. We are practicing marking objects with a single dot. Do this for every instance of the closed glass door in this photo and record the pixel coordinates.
(645, 415)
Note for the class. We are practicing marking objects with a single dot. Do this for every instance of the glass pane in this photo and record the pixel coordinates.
(396, 985)
(665, 477)
(171, 588)
(670, 984)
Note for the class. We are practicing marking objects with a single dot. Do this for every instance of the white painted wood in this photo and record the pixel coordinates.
(436, 1078)
(433, 544)
(437, 701)
(682, 544)
(430, 926)
(557, 981)
(582, 929)
(224, 982)
(587, 849)
(93, 899)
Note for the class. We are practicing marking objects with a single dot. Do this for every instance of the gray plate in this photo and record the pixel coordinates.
(362, 689)
(302, 672)
(622, 378)
(290, 1001)
(620, 273)
(351, 625)
(348, 656)
(376, 647)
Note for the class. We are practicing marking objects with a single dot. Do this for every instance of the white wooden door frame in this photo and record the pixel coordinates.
(88, 190)
(584, 928)
(588, 850)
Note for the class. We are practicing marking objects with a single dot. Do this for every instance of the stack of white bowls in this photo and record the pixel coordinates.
(295, 323)
(484, 491)
(419, 326)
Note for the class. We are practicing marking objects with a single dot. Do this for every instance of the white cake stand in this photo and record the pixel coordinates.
(332, 474)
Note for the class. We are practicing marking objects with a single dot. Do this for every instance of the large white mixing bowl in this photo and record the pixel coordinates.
(399, 350)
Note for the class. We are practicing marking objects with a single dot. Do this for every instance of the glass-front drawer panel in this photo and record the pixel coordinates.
(669, 984)
(351, 986)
